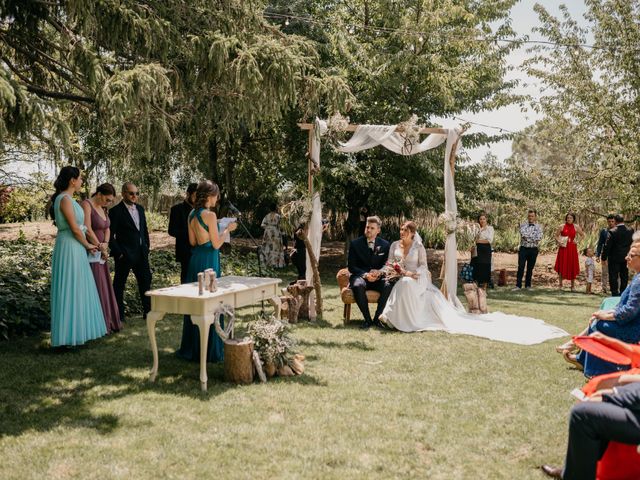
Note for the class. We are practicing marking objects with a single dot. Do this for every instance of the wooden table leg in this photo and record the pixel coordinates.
(277, 306)
(204, 325)
(152, 319)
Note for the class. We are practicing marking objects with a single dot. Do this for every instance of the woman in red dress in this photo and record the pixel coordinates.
(567, 263)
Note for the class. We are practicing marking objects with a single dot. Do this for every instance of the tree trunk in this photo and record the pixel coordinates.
(238, 361)
(213, 159)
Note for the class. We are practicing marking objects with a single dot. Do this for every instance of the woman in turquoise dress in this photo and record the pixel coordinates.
(76, 314)
(205, 241)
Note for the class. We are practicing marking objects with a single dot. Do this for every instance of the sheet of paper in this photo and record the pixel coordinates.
(224, 223)
(96, 257)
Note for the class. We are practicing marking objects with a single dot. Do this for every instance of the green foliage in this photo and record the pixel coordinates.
(25, 283)
(584, 152)
(156, 221)
(27, 202)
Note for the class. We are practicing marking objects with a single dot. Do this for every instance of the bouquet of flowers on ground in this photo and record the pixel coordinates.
(272, 341)
(393, 271)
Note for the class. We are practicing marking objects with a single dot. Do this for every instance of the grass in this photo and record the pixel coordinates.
(370, 405)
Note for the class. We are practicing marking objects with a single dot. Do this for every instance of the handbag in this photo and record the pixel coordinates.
(466, 273)
(562, 240)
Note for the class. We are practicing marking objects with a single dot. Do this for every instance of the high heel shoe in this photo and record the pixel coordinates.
(572, 358)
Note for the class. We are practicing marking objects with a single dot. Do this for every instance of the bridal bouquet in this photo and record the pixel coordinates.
(394, 270)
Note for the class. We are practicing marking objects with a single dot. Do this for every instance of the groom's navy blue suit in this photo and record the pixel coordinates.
(362, 260)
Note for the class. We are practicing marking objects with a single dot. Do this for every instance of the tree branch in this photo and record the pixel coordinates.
(59, 95)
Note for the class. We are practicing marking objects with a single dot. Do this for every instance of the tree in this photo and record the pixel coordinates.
(163, 81)
(402, 58)
(587, 147)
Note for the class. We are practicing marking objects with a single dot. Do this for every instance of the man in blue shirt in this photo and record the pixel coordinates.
(530, 236)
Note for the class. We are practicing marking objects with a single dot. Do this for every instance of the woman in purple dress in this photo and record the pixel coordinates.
(97, 223)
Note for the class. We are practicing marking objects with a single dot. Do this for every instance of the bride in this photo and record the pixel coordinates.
(415, 304)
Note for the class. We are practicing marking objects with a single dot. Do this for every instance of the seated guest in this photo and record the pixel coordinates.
(606, 415)
(622, 323)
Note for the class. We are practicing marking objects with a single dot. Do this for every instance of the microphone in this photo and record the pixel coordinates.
(234, 209)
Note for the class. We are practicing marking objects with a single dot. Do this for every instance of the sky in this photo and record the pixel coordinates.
(524, 19)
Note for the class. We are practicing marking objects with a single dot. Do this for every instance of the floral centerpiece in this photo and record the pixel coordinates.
(275, 347)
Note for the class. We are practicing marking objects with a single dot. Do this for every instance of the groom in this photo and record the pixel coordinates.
(367, 255)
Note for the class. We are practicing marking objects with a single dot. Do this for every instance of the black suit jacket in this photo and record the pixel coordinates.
(362, 259)
(618, 243)
(628, 396)
(179, 229)
(126, 239)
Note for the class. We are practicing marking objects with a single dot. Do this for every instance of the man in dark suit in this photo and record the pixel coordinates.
(179, 229)
(129, 246)
(614, 252)
(607, 415)
(367, 255)
(602, 240)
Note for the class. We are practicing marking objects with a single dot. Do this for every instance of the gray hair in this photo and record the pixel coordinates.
(374, 219)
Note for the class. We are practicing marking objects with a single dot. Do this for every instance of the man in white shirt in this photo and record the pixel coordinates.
(530, 236)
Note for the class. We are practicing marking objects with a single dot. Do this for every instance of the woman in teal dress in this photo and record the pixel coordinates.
(76, 314)
(205, 241)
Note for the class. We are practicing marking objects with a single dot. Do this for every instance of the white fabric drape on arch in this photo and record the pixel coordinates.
(370, 136)
(315, 223)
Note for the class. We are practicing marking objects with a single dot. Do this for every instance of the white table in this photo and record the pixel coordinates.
(184, 299)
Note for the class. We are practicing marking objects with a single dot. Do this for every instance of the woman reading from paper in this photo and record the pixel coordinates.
(205, 241)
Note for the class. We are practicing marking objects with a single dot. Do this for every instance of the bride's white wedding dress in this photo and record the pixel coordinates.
(417, 305)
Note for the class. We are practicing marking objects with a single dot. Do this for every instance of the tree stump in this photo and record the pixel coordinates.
(290, 308)
(300, 292)
(238, 360)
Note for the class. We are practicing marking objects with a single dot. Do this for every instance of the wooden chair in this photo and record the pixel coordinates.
(347, 295)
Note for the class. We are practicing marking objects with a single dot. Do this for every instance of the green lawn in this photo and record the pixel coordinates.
(370, 405)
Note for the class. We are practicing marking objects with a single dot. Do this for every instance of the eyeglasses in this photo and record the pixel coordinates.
(133, 194)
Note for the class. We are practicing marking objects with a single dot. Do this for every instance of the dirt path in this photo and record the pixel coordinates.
(331, 254)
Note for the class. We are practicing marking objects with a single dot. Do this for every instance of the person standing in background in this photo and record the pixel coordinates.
(567, 262)
(614, 252)
(602, 239)
(272, 249)
(179, 229)
(129, 246)
(482, 260)
(76, 316)
(98, 225)
(530, 236)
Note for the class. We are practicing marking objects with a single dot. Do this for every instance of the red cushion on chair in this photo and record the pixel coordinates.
(619, 462)
(605, 352)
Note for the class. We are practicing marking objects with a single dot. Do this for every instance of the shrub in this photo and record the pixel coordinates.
(157, 222)
(27, 203)
(25, 283)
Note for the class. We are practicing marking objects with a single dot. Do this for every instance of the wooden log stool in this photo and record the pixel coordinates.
(347, 295)
(299, 305)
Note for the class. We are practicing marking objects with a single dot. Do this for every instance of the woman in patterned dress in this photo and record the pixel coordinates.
(272, 250)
